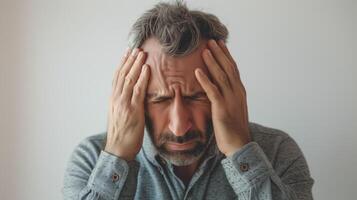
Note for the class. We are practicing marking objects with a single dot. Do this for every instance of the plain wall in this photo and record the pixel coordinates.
(297, 60)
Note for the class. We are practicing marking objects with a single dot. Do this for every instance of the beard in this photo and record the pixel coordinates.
(201, 140)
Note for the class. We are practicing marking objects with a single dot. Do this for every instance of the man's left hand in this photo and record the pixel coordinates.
(227, 96)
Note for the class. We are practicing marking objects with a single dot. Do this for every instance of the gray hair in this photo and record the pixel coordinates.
(178, 29)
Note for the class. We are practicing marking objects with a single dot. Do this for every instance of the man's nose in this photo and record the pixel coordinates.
(180, 121)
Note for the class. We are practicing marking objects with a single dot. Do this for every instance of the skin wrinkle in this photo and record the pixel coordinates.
(173, 75)
(167, 73)
(176, 103)
(159, 60)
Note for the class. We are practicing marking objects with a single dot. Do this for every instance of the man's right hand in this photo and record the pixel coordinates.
(126, 119)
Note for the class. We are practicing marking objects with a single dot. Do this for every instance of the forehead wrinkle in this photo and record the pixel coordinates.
(168, 71)
(173, 76)
(175, 72)
(158, 63)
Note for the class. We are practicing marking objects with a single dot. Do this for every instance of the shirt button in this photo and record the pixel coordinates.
(244, 167)
(115, 177)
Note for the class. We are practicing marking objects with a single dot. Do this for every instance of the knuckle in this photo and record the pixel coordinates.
(129, 110)
(116, 95)
(122, 102)
(115, 105)
(131, 58)
(122, 74)
(222, 78)
(231, 66)
(129, 80)
(137, 90)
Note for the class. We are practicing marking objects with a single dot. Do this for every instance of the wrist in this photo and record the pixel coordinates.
(236, 147)
(125, 156)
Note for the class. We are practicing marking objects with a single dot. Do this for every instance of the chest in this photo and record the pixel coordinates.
(209, 184)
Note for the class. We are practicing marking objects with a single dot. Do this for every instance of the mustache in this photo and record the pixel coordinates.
(170, 137)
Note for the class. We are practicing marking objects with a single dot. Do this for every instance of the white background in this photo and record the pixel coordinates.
(297, 60)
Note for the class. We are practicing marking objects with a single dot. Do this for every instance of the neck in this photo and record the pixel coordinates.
(185, 173)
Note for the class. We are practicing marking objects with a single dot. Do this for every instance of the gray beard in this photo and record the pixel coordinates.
(183, 158)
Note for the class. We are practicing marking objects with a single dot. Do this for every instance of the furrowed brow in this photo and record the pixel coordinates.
(158, 96)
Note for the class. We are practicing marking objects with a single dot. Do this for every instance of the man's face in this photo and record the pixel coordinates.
(178, 112)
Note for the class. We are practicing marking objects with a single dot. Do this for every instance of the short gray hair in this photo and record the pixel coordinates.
(178, 29)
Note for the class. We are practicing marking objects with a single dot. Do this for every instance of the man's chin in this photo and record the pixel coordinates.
(180, 159)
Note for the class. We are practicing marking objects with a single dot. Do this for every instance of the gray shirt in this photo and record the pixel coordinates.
(272, 166)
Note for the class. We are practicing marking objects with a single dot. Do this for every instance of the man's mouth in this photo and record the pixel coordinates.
(173, 146)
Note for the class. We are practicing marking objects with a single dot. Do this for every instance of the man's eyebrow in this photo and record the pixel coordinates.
(153, 95)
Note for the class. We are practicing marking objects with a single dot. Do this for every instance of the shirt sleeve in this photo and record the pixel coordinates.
(252, 176)
(102, 177)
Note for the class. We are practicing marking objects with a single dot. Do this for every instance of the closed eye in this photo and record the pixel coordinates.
(200, 96)
(196, 98)
(161, 100)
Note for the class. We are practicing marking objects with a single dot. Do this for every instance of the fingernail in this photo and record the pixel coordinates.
(127, 52)
(208, 52)
(213, 42)
(222, 42)
(135, 52)
(141, 54)
(199, 71)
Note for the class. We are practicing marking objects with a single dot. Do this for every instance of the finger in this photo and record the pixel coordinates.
(223, 61)
(110, 116)
(225, 50)
(132, 77)
(125, 70)
(219, 76)
(140, 87)
(116, 75)
(211, 90)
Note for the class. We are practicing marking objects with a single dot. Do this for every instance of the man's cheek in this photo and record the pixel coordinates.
(200, 116)
(152, 115)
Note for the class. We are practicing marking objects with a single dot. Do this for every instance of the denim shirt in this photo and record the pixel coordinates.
(271, 166)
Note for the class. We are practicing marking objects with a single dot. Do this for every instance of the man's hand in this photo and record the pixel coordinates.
(228, 98)
(126, 107)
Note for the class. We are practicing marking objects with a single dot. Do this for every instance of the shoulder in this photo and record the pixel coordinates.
(277, 144)
(265, 135)
(259, 132)
(88, 149)
(95, 141)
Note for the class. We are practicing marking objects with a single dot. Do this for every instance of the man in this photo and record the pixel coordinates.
(178, 124)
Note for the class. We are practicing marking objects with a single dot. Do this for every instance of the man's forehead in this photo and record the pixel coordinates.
(167, 71)
(172, 64)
